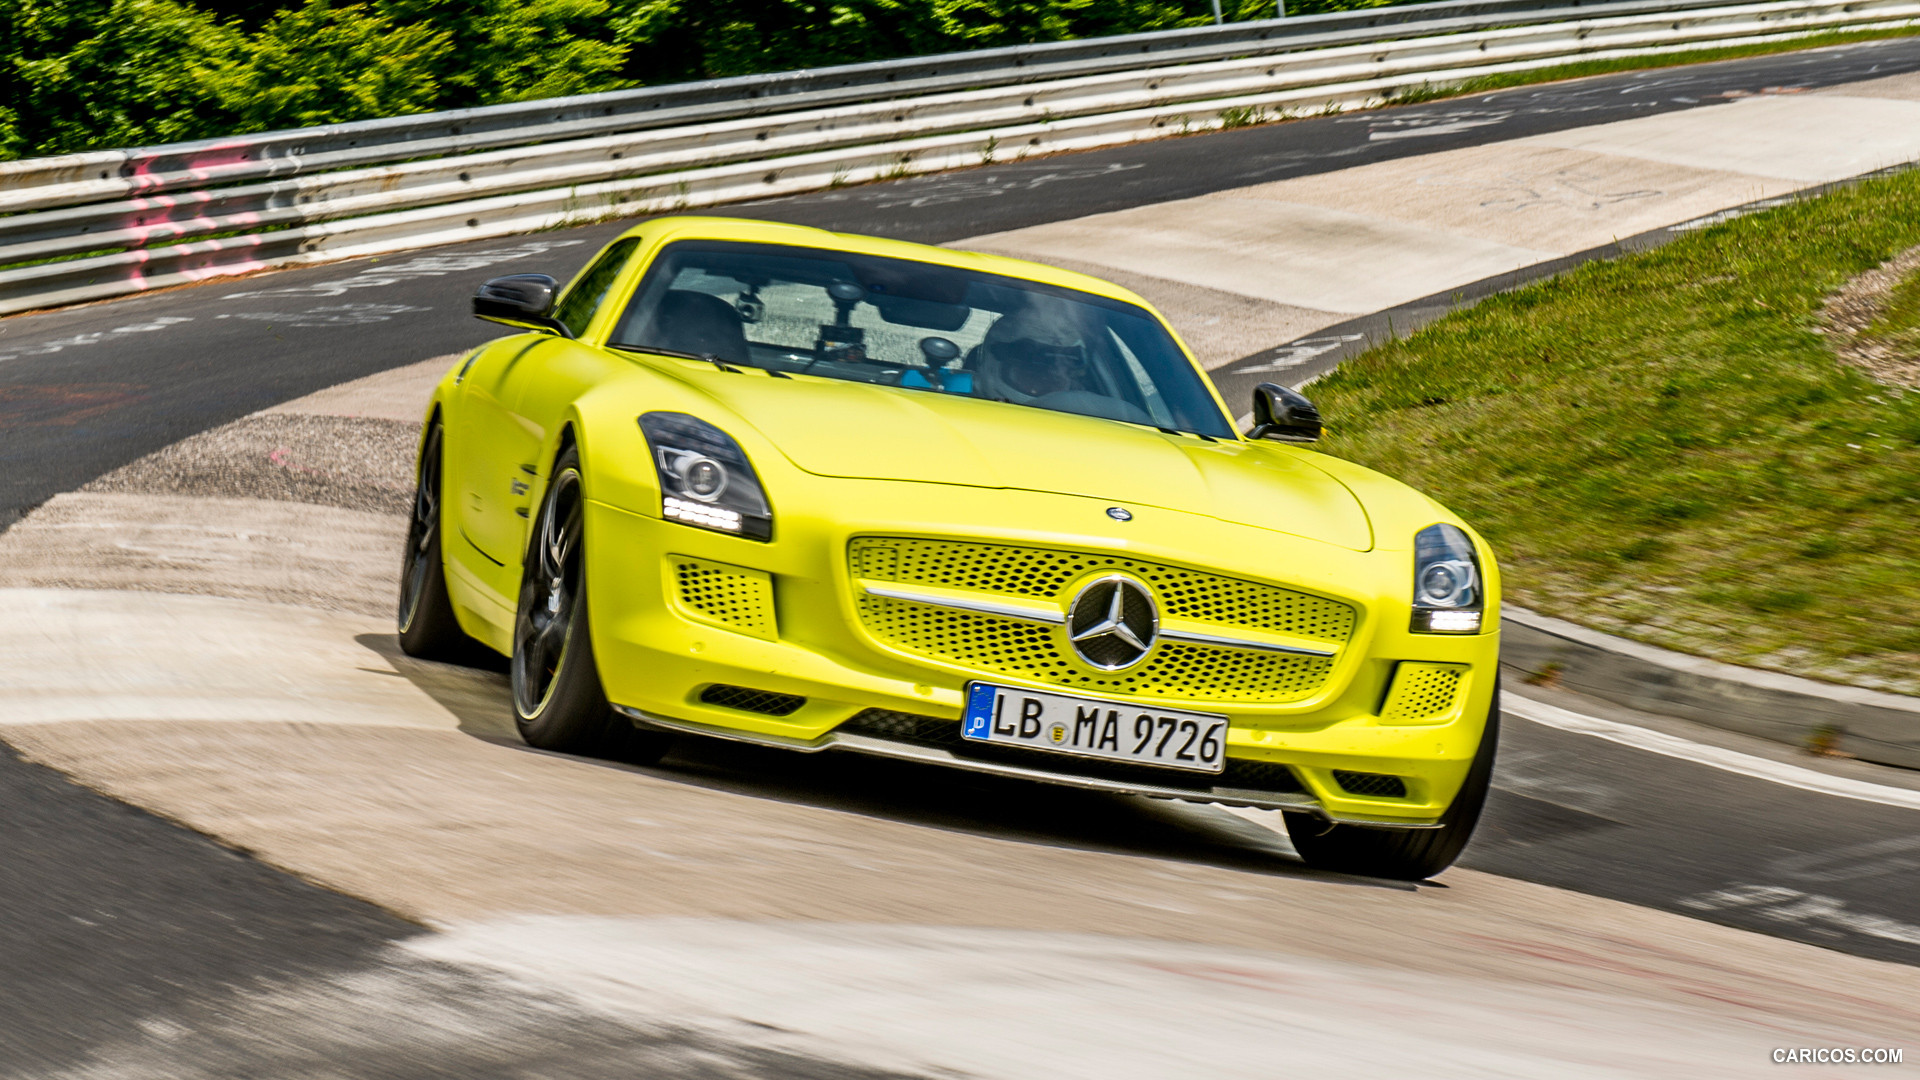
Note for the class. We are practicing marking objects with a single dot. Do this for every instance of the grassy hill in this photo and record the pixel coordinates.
(1668, 447)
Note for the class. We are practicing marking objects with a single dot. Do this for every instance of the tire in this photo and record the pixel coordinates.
(426, 622)
(1403, 854)
(558, 701)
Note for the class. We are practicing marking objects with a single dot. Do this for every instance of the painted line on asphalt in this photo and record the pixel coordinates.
(1778, 772)
(1802, 909)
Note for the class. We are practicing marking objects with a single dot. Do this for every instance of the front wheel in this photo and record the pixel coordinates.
(558, 702)
(1403, 854)
(427, 624)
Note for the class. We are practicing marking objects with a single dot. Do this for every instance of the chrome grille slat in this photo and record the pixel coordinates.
(1018, 645)
(1042, 573)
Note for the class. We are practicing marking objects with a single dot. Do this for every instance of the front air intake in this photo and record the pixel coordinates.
(747, 699)
(1372, 785)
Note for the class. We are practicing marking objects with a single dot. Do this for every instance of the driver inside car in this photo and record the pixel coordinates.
(1032, 353)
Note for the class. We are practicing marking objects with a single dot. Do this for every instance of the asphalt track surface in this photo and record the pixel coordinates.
(114, 915)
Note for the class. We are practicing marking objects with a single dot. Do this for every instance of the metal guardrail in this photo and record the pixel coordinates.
(91, 226)
(145, 170)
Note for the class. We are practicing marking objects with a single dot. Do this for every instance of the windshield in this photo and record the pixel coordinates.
(918, 326)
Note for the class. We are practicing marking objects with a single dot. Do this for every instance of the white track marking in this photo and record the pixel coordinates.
(331, 315)
(91, 337)
(423, 266)
(1732, 761)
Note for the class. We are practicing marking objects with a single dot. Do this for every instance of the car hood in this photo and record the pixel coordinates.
(833, 428)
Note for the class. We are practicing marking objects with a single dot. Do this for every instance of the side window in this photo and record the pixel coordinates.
(576, 308)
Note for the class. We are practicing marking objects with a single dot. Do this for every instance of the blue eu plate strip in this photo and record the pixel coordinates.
(979, 711)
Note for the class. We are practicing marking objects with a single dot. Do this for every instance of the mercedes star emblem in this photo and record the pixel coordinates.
(1113, 623)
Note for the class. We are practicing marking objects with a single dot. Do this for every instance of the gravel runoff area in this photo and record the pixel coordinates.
(302, 504)
(349, 462)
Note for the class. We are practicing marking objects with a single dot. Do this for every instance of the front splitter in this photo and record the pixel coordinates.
(930, 755)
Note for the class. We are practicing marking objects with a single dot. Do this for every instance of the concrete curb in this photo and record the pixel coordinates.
(1299, 362)
(1867, 724)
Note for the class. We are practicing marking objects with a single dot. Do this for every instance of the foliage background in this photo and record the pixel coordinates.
(92, 74)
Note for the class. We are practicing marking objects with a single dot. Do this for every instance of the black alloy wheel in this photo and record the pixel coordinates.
(558, 701)
(1403, 854)
(549, 596)
(426, 621)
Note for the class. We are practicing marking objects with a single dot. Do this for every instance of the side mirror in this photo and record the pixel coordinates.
(1283, 414)
(520, 300)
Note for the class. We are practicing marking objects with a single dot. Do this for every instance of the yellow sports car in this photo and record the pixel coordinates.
(821, 491)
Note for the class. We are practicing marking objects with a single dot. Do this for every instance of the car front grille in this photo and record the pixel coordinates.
(994, 645)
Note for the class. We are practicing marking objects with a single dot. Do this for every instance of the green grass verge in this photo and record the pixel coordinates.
(1665, 447)
(1583, 68)
(1899, 324)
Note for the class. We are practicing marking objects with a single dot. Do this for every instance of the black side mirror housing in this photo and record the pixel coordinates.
(1284, 415)
(520, 300)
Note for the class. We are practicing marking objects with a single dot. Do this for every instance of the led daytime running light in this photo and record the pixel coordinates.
(706, 480)
(693, 513)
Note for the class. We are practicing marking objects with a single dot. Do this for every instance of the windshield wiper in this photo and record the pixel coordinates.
(1194, 434)
(709, 358)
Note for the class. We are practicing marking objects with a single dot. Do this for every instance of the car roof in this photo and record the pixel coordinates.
(692, 227)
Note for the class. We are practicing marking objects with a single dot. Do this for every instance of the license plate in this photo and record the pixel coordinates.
(1170, 738)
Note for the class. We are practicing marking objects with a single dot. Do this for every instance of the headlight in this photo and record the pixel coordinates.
(705, 478)
(1447, 594)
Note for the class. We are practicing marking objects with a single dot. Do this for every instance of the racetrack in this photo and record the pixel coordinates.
(180, 638)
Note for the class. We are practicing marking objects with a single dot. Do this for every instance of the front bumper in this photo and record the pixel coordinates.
(931, 755)
(657, 657)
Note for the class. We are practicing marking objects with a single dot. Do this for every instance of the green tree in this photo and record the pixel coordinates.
(250, 14)
(81, 74)
(318, 64)
(987, 23)
(674, 40)
(1264, 9)
(517, 50)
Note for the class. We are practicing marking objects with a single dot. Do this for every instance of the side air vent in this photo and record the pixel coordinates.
(746, 699)
(1372, 785)
(734, 597)
(1422, 693)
